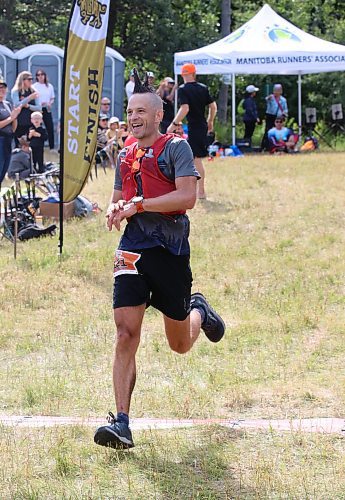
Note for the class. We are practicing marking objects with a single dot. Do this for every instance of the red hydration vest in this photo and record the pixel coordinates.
(153, 182)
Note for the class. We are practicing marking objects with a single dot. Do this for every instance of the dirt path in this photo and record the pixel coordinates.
(318, 425)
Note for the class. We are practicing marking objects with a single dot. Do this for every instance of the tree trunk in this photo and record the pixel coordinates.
(224, 89)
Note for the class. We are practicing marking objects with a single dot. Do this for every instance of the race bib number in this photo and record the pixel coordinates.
(124, 262)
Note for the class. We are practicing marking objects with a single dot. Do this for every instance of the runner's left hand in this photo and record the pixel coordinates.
(119, 211)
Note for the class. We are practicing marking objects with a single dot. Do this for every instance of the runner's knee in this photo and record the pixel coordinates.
(180, 347)
(126, 337)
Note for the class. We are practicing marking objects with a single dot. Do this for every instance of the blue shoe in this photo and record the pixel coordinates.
(115, 435)
(213, 325)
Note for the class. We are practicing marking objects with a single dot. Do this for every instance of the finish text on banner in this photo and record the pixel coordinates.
(83, 80)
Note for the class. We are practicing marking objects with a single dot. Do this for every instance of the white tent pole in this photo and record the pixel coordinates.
(299, 83)
(233, 108)
(176, 83)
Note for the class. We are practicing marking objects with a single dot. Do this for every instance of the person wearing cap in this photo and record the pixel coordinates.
(150, 78)
(250, 117)
(129, 88)
(113, 130)
(193, 99)
(166, 92)
(276, 107)
(105, 107)
(101, 131)
(8, 125)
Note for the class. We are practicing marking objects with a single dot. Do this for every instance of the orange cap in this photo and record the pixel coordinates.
(188, 69)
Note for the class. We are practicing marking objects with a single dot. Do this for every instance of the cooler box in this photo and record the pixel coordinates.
(51, 210)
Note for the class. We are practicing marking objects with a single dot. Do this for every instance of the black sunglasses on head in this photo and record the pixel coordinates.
(28, 78)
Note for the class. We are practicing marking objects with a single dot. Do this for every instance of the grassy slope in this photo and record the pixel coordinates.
(267, 249)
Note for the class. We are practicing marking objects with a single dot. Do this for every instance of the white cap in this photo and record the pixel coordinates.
(251, 88)
(150, 74)
(113, 119)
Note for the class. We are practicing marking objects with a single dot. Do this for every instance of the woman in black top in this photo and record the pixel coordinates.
(23, 93)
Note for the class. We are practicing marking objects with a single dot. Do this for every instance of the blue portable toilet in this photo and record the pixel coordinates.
(113, 81)
(49, 58)
(8, 68)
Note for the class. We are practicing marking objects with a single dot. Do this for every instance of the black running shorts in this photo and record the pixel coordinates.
(153, 277)
(197, 139)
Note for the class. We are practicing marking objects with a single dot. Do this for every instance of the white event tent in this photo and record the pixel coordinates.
(266, 44)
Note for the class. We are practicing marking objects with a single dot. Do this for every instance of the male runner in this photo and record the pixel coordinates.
(155, 183)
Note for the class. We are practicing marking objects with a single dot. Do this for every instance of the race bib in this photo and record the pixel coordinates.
(124, 262)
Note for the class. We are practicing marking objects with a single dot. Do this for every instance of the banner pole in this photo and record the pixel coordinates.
(62, 133)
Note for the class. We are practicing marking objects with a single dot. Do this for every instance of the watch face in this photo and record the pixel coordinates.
(137, 199)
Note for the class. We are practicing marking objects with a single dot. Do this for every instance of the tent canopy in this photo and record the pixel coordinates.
(267, 44)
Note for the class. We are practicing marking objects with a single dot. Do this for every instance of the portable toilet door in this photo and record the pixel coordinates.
(113, 81)
(50, 59)
(8, 68)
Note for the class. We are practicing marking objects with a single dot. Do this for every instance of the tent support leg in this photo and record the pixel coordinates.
(233, 108)
(299, 83)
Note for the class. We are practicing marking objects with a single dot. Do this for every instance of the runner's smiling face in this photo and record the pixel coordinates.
(144, 113)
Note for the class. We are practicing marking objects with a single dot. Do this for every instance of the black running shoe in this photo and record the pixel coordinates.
(213, 325)
(115, 435)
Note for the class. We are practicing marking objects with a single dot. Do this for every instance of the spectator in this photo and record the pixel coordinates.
(276, 107)
(8, 124)
(37, 136)
(150, 79)
(23, 93)
(130, 86)
(193, 98)
(105, 107)
(113, 131)
(101, 132)
(250, 116)
(281, 138)
(45, 100)
(113, 135)
(178, 130)
(166, 92)
(20, 160)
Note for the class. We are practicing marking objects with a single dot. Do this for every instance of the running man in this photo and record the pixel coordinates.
(155, 183)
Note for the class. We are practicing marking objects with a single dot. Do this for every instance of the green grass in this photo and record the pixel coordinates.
(268, 251)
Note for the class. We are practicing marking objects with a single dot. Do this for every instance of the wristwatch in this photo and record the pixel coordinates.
(138, 202)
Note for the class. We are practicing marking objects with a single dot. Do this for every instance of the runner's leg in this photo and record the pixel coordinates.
(128, 322)
(181, 335)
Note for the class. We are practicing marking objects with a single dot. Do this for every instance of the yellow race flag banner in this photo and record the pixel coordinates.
(81, 94)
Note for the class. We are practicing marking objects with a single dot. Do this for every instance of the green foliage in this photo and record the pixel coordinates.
(149, 33)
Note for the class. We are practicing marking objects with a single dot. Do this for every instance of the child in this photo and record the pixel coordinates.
(20, 160)
(113, 130)
(37, 136)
